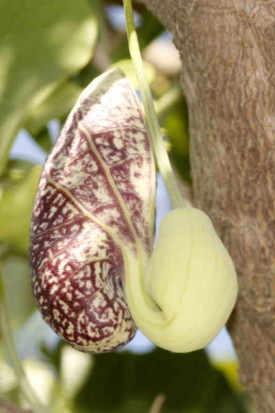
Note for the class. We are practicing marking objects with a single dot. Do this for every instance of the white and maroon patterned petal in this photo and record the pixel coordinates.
(96, 194)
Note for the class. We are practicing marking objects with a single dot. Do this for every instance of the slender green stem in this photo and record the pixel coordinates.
(167, 101)
(13, 358)
(151, 117)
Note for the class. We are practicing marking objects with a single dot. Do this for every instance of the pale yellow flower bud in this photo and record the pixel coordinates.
(190, 284)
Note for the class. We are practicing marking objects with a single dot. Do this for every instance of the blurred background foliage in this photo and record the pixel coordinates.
(49, 51)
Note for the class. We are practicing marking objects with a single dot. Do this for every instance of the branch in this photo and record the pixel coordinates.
(158, 403)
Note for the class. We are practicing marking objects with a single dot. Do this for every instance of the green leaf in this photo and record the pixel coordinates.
(41, 43)
(56, 105)
(17, 194)
(16, 276)
(176, 124)
(128, 383)
(43, 139)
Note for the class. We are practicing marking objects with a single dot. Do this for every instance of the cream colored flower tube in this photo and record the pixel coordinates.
(189, 287)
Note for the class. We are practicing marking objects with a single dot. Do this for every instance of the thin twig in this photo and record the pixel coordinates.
(158, 403)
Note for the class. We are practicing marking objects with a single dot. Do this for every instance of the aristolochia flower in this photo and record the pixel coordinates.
(95, 277)
(189, 286)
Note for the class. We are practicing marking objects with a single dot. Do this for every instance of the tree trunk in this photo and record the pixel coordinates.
(228, 76)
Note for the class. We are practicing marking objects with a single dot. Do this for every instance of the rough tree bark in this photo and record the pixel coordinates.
(227, 49)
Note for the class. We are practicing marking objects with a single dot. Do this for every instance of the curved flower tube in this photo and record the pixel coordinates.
(94, 276)
(189, 286)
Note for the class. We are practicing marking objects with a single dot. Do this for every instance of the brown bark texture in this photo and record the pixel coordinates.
(227, 49)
